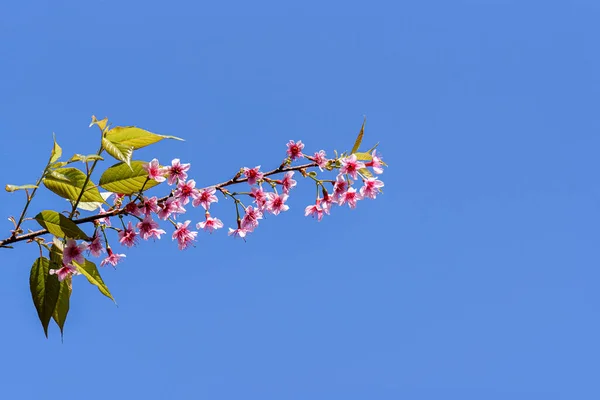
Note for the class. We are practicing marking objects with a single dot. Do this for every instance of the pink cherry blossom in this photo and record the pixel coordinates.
(287, 182)
(112, 259)
(133, 209)
(184, 236)
(315, 210)
(350, 197)
(128, 236)
(210, 224)
(250, 219)
(64, 272)
(253, 174)
(177, 171)
(371, 188)
(105, 220)
(350, 166)
(294, 150)
(155, 171)
(169, 207)
(340, 187)
(149, 205)
(95, 246)
(239, 232)
(205, 197)
(73, 252)
(149, 228)
(326, 202)
(376, 163)
(276, 203)
(185, 190)
(320, 159)
(260, 197)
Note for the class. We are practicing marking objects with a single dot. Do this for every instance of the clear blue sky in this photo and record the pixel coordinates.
(475, 276)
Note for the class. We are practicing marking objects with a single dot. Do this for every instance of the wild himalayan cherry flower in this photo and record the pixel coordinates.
(276, 203)
(315, 210)
(287, 182)
(112, 259)
(210, 224)
(253, 174)
(350, 197)
(339, 188)
(185, 190)
(118, 198)
(371, 188)
(327, 202)
(105, 220)
(95, 246)
(73, 252)
(239, 232)
(177, 171)
(149, 228)
(320, 159)
(205, 197)
(294, 150)
(250, 219)
(155, 171)
(184, 236)
(350, 166)
(375, 163)
(128, 236)
(133, 209)
(150, 205)
(260, 197)
(62, 273)
(168, 207)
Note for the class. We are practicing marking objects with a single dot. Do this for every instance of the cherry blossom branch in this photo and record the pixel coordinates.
(119, 211)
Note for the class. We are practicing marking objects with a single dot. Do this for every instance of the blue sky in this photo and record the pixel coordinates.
(473, 277)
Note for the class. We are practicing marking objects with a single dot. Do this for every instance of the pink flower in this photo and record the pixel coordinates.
(64, 271)
(260, 197)
(95, 246)
(128, 236)
(105, 220)
(133, 209)
(327, 202)
(155, 171)
(320, 159)
(350, 197)
(210, 224)
(276, 203)
(177, 171)
(185, 190)
(73, 252)
(350, 166)
(371, 188)
(294, 150)
(149, 228)
(184, 236)
(169, 207)
(253, 174)
(205, 197)
(376, 163)
(239, 232)
(112, 259)
(150, 205)
(250, 219)
(315, 210)
(339, 188)
(287, 182)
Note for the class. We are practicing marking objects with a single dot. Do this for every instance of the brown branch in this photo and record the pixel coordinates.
(235, 180)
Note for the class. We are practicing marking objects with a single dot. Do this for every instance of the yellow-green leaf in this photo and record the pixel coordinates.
(99, 123)
(45, 290)
(360, 137)
(90, 271)
(365, 172)
(121, 152)
(92, 205)
(12, 188)
(135, 137)
(62, 304)
(363, 156)
(121, 179)
(59, 225)
(68, 183)
(82, 158)
(56, 151)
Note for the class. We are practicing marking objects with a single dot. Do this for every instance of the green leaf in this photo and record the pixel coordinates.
(135, 137)
(45, 289)
(62, 304)
(56, 151)
(359, 138)
(12, 188)
(363, 156)
(68, 183)
(59, 225)
(365, 172)
(99, 123)
(89, 270)
(92, 205)
(82, 158)
(121, 152)
(121, 179)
